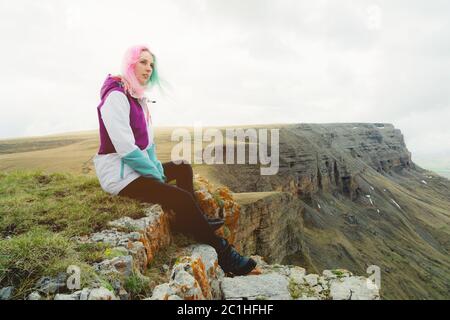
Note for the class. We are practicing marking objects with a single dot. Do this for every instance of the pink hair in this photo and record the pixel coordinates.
(130, 59)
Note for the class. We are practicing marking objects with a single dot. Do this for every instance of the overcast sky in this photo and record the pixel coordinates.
(233, 62)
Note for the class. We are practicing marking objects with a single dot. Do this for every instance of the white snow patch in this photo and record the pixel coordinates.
(424, 182)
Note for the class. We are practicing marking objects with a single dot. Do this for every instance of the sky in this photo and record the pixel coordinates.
(234, 62)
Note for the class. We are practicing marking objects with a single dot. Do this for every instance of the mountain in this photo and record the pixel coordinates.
(346, 195)
(349, 195)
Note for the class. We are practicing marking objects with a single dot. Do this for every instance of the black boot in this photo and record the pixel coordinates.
(232, 262)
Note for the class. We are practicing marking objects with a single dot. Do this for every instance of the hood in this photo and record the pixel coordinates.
(110, 83)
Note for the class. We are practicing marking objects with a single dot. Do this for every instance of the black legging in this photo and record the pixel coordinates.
(180, 198)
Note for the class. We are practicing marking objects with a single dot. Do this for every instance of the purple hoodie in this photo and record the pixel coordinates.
(138, 121)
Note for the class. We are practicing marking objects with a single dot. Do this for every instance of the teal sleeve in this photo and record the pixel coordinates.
(152, 155)
(142, 165)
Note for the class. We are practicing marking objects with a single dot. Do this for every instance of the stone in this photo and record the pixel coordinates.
(84, 294)
(34, 296)
(297, 274)
(353, 288)
(120, 265)
(312, 279)
(114, 237)
(73, 296)
(272, 286)
(124, 295)
(137, 250)
(207, 254)
(6, 293)
(101, 294)
(162, 292)
(186, 286)
(49, 285)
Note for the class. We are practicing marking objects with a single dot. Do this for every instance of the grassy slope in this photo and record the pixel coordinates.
(39, 213)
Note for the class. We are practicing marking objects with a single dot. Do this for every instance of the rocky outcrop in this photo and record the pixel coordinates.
(198, 277)
(196, 274)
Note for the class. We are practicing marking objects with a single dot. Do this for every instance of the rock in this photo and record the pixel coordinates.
(260, 261)
(208, 255)
(34, 296)
(153, 231)
(186, 286)
(174, 297)
(137, 250)
(318, 289)
(101, 294)
(73, 296)
(353, 288)
(272, 286)
(162, 292)
(312, 279)
(297, 274)
(123, 294)
(114, 237)
(212, 274)
(48, 285)
(120, 265)
(6, 293)
(84, 294)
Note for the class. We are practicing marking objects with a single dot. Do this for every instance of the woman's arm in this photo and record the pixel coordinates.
(116, 116)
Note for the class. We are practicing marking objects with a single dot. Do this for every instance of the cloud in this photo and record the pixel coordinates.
(233, 62)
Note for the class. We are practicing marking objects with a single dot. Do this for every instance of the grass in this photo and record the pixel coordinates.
(39, 213)
(63, 203)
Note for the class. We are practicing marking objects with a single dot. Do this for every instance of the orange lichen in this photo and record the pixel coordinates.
(155, 237)
(201, 277)
(208, 198)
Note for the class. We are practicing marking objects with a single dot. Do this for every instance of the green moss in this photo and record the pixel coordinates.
(338, 273)
(299, 290)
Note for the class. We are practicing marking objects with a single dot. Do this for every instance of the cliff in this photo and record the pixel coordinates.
(348, 195)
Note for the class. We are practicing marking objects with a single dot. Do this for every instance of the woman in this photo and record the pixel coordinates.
(127, 164)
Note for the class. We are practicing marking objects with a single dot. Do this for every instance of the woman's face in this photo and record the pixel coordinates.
(144, 67)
